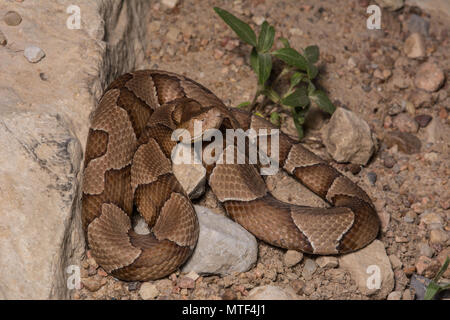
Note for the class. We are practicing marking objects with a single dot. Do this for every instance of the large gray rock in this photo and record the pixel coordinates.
(223, 247)
(45, 109)
(348, 138)
(371, 269)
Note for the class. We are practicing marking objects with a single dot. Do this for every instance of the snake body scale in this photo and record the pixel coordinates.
(128, 170)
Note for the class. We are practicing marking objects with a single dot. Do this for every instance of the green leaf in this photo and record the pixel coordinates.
(312, 71)
(299, 98)
(292, 57)
(322, 100)
(259, 114)
(254, 61)
(432, 290)
(298, 115)
(264, 67)
(312, 53)
(296, 78)
(271, 94)
(242, 29)
(285, 42)
(243, 104)
(275, 118)
(266, 37)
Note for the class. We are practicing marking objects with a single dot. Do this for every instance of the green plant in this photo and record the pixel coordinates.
(433, 287)
(299, 66)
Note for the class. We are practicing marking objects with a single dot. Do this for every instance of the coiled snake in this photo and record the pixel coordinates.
(128, 169)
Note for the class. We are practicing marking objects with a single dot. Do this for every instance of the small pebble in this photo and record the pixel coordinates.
(414, 46)
(372, 176)
(389, 162)
(438, 236)
(308, 269)
(148, 291)
(423, 120)
(229, 295)
(327, 262)
(170, 3)
(425, 250)
(395, 295)
(186, 283)
(33, 54)
(292, 257)
(12, 18)
(133, 286)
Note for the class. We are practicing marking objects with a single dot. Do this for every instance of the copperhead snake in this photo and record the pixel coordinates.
(127, 170)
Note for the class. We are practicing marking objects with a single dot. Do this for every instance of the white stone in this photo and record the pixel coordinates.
(223, 247)
(170, 3)
(34, 54)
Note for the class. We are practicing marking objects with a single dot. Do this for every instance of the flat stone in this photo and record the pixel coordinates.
(223, 247)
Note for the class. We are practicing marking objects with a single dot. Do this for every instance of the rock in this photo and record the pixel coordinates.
(148, 291)
(170, 3)
(425, 250)
(309, 268)
(192, 176)
(395, 109)
(405, 141)
(417, 24)
(441, 258)
(292, 257)
(419, 284)
(430, 218)
(395, 262)
(186, 283)
(400, 79)
(438, 236)
(348, 138)
(133, 286)
(427, 267)
(371, 269)
(395, 295)
(327, 262)
(423, 120)
(391, 5)
(271, 293)
(40, 162)
(405, 123)
(389, 161)
(40, 132)
(407, 295)
(93, 284)
(192, 275)
(172, 34)
(34, 54)
(12, 18)
(429, 77)
(223, 247)
(435, 132)
(414, 46)
(3, 40)
(410, 217)
(421, 99)
(372, 177)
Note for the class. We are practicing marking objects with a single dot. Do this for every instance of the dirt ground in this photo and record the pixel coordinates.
(362, 70)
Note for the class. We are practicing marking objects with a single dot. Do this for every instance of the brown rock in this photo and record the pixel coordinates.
(429, 77)
(93, 284)
(438, 236)
(186, 283)
(414, 46)
(427, 267)
(421, 99)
